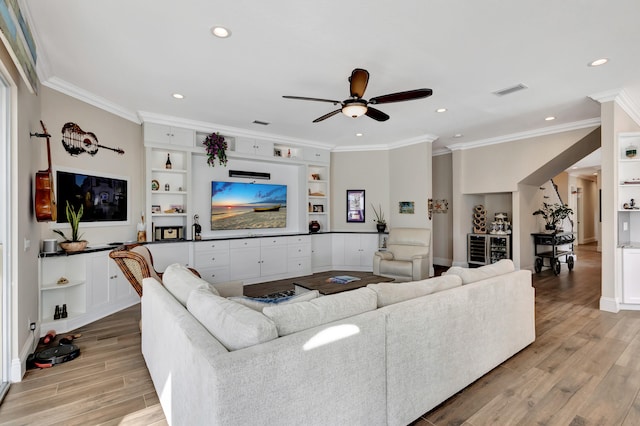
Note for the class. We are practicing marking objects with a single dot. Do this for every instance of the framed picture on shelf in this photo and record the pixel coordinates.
(318, 208)
(155, 208)
(355, 205)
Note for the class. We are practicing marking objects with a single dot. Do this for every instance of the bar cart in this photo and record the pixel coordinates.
(553, 246)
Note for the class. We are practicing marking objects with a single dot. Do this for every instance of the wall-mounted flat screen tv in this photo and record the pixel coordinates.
(238, 205)
(104, 198)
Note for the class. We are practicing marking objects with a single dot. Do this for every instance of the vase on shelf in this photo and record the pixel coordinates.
(314, 226)
(381, 227)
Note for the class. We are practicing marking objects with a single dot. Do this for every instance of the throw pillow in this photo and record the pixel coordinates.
(471, 275)
(234, 325)
(390, 293)
(258, 303)
(295, 317)
(180, 282)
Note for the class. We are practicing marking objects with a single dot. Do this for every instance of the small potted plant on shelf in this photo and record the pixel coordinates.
(553, 214)
(381, 223)
(73, 244)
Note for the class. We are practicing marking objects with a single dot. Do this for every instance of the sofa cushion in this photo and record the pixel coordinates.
(471, 275)
(390, 293)
(295, 317)
(180, 282)
(258, 303)
(234, 325)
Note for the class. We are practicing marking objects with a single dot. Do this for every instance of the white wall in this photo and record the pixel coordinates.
(443, 222)
(111, 131)
(410, 180)
(368, 170)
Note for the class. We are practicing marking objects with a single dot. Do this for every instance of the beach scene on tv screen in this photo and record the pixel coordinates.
(237, 205)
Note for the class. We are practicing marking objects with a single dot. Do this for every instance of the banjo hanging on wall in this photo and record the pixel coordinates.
(76, 141)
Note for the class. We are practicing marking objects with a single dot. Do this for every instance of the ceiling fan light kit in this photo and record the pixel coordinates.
(355, 106)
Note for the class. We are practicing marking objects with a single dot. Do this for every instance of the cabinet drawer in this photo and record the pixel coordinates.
(209, 246)
(212, 258)
(316, 155)
(300, 266)
(273, 241)
(215, 275)
(299, 250)
(239, 244)
(300, 239)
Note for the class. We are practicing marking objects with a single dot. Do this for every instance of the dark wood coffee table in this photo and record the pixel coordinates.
(319, 282)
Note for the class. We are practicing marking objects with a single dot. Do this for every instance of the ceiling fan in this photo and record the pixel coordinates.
(355, 106)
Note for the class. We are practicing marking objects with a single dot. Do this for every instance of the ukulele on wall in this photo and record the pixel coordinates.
(76, 141)
(45, 202)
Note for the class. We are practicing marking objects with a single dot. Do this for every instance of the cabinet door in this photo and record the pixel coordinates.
(159, 133)
(119, 286)
(273, 260)
(182, 137)
(352, 250)
(320, 252)
(631, 276)
(368, 246)
(264, 148)
(167, 253)
(245, 145)
(244, 259)
(316, 155)
(100, 287)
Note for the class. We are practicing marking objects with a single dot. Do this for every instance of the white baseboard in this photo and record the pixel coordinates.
(441, 261)
(19, 365)
(609, 304)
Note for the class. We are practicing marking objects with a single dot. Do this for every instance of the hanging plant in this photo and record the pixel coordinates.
(216, 148)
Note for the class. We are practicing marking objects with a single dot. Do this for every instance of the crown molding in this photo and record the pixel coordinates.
(623, 99)
(387, 147)
(69, 89)
(592, 122)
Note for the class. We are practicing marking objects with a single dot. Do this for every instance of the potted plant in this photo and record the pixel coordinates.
(381, 223)
(216, 147)
(553, 214)
(73, 244)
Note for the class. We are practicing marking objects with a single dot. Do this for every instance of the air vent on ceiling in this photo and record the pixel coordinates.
(509, 90)
(264, 123)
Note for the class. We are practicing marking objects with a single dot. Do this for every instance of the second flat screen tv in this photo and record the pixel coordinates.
(238, 205)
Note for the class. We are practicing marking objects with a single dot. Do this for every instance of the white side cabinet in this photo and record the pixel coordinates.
(164, 254)
(95, 288)
(211, 259)
(254, 146)
(354, 251)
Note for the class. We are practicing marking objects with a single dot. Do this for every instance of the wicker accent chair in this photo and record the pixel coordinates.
(136, 261)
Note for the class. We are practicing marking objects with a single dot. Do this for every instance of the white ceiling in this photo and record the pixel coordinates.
(130, 56)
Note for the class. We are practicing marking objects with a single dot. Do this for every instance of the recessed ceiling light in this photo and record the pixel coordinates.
(221, 32)
(178, 96)
(457, 135)
(358, 134)
(441, 110)
(598, 62)
(549, 118)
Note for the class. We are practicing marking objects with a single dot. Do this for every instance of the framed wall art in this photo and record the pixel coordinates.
(355, 205)
(406, 207)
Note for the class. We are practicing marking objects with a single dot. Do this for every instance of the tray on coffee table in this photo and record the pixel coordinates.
(319, 282)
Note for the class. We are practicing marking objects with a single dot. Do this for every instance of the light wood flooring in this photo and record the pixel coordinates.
(582, 369)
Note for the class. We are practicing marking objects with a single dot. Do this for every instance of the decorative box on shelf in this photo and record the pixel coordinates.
(165, 233)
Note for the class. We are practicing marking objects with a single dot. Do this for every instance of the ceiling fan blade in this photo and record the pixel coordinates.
(376, 114)
(409, 95)
(359, 80)
(331, 114)
(302, 98)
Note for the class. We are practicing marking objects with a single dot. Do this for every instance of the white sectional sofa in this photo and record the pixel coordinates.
(381, 355)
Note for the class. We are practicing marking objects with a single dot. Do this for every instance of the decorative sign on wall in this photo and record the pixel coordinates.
(407, 207)
(76, 141)
(16, 36)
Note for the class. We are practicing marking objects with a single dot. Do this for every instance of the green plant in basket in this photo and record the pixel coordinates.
(73, 218)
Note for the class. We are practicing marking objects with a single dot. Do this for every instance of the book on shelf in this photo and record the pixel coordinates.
(342, 279)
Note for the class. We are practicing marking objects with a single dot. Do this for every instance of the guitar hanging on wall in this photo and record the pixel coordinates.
(76, 141)
(45, 202)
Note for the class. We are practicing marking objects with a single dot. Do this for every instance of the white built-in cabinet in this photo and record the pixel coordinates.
(321, 252)
(168, 135)
(96, 288)
(254, 147)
